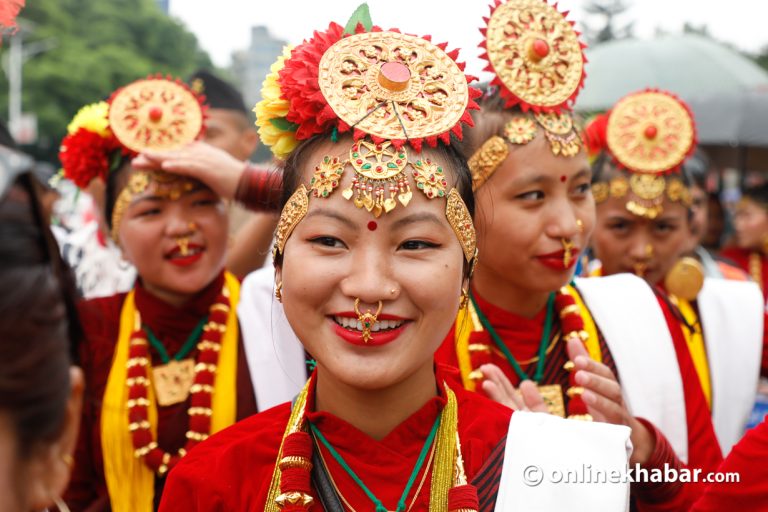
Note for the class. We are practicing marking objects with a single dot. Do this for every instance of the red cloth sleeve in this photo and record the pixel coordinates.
(749, 458)
(260, 189)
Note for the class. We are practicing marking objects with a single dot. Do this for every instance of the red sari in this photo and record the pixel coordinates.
(101, 320)
(233, 469)
(523, 335)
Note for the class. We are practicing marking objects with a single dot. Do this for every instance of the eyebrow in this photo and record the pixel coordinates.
(333, 215)
(416, 217)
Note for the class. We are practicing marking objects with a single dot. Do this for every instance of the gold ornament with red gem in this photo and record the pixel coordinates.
(538, 64)
(650, 134)
(155, 113)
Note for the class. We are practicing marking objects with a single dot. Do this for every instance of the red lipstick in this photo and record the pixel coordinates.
(378, 338)
(556, 260)
(175, 257)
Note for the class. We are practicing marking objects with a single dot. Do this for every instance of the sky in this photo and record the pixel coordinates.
(223, 26)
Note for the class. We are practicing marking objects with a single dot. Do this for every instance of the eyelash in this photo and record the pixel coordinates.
(534, 195)
(423, 245)
(323, 241)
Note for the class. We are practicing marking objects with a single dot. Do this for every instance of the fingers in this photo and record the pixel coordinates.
(532, 398)
(606, 387)
(580, 357)
(498, 387)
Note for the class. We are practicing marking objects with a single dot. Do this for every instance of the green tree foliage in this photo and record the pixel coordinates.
(96, 47)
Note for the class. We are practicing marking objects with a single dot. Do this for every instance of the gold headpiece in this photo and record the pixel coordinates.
(649, 134)
(153, 114)
(392, 91)
(538, 63)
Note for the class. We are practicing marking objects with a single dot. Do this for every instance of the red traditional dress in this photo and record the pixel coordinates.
(172, 325)
(522, 337)
(233, 470)
(749, 459)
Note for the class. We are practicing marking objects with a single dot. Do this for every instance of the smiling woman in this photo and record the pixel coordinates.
(169, 351)
(374, 251)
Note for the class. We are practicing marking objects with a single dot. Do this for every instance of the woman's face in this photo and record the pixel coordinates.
(409, 259)
(528, 211)
(751, 224)
(177, 244)
(624, 242)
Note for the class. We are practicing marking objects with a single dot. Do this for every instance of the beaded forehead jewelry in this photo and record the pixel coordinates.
(649, 134)
(538, 65)
(394, 92)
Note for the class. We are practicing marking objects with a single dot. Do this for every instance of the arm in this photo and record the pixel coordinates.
(230, 178)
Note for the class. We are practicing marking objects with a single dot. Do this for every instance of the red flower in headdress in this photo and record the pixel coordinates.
(309, 109)
(86, 155)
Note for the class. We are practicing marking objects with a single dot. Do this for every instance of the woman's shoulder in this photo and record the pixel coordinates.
(232, 469)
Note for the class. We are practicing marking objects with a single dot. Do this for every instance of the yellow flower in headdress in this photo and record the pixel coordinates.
(275, 131)
(94, 118)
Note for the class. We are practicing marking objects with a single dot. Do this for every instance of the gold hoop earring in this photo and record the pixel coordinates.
(279, 291)
(367, 319)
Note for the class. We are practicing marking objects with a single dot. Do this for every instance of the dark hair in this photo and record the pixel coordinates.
(112, 188)
(448, 155)
(489, 120)
(697, 168)
(38, 320)
(757, 193)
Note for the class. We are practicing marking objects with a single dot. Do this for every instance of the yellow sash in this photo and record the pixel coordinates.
(468, 322)
(129, 481)
(694, 340)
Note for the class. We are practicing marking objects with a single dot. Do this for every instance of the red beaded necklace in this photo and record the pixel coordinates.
(200, 409)
(571, 325)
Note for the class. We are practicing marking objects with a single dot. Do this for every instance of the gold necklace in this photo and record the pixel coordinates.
(349, 505)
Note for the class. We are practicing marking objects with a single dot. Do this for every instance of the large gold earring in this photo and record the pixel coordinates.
(685, 279)
(279, 291)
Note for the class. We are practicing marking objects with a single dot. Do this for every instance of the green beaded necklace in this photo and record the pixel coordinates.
(501, 346)
(184, 350)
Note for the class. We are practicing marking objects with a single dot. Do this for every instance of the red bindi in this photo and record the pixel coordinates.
(372, 225)
(563, 178)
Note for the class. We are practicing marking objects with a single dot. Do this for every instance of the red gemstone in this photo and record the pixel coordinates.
(155, 114)
(541, 48)
(650, 132)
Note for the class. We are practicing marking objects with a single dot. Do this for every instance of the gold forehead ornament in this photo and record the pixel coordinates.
(650, 134)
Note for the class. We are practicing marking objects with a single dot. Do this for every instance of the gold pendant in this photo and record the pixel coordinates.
(552, 394)
(172, 381)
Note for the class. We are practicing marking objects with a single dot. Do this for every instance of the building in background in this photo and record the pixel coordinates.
(251, 66)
